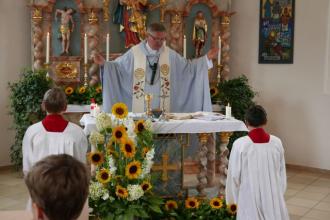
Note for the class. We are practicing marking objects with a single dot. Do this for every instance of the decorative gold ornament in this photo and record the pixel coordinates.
(225, 20)
(92, 17)
(106, 14)
(164, 69)
(139, 73)
(176, 19)
(66, 70)
(165, 167)
(37, 15)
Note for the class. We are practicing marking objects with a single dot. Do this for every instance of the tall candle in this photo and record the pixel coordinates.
(229, 5)
(228, 111)
(219, 53)
(184, 46)
(108, 47)
(85, 49)
(47, 47)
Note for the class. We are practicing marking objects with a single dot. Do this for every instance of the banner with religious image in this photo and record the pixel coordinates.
(276, 31)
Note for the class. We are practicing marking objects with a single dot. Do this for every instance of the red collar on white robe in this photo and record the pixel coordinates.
(54, 123)
(258, 135)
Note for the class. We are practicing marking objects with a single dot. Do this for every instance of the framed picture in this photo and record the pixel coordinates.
(276, 31)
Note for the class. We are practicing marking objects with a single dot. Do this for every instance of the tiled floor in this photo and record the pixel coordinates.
(307, 196)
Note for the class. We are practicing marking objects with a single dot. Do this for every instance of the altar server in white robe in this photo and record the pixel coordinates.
(151, 67)
(256, 179)
(53, 135)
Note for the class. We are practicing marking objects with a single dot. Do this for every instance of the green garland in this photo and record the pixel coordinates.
(25, 107)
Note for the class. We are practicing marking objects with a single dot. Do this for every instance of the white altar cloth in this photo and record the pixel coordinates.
(190, 126)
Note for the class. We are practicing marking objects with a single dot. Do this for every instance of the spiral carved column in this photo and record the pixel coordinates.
(202, 156)
(225, 48)
(223, 167)
(37, 37)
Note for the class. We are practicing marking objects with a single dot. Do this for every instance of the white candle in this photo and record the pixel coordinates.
(108, 47)
(47, 47)
(219, 53)
(228, 111)
(229, 5)
(85, 49)
(184, 46)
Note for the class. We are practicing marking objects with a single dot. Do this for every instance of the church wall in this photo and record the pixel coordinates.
(293, 94)
(15, 49)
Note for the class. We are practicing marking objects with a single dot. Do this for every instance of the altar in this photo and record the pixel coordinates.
(172, 137)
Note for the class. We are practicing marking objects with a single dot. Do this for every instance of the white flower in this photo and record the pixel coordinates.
(150, 154)
(130, 125)
(105, 196)
(134, 192)
(148, 125)
(96, 138)
(103, 122)
(146, 168)
(97, 191)
(112, 166)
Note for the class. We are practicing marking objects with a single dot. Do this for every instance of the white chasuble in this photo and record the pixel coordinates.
(140, 78)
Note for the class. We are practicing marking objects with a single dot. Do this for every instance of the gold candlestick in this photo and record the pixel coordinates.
(46, 66)
(85, 75)
(219, 69)
(148, 98)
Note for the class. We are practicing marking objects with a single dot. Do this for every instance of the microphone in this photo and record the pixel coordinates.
(154, 69)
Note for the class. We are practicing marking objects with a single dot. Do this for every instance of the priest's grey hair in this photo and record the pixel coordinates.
(156, 27)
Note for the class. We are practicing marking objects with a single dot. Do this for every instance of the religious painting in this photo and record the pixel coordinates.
(276, 31)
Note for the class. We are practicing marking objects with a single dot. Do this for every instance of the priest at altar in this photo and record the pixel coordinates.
(150, 67)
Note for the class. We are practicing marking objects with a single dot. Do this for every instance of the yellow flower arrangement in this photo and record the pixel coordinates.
(119, 110)
(171, 204)
(96, 158)
(232, 208)
(191, 203)
(146, 186)
(216, 203)
(133, 170)
(119, 133)
(82, 90)
(121, 192)
(214, 91)
(139, 126)
(103, 176)
(69, 90)
(98, 89)
(128, 148)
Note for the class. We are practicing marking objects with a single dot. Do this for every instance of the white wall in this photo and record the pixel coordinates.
(293, 94)
(14, 55)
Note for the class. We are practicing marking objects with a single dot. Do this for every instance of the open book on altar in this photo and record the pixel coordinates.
(207, 116)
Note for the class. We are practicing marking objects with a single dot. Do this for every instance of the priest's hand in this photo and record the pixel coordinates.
(212, 54)
(99, 59)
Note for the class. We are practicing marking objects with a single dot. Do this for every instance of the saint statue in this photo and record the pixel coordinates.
(130, 15)
(65, 28)
(199, 33)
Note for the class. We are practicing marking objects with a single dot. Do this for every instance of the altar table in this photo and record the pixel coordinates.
(207, 153)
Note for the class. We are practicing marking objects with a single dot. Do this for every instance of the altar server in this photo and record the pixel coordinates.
(53, 135)
(256, 179)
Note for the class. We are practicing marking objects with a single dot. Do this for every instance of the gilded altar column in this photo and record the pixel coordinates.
(223, 167)
(202, 157)
(225, 42)
(37, 37)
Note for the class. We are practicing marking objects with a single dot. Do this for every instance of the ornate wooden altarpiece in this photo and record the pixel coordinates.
(94, 18)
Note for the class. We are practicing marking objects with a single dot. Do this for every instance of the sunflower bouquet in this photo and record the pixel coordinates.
(193, 208)
(83, 94)
(123, 156)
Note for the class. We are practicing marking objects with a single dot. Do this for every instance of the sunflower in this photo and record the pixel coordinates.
(191, 203)
(145, 151)
(96, 158)
(120, 110)
(216, 203)
(214, 91)
(103, 176)
(146, 186)
(68, 90)
(121, 192)
(119, 133)
(128, 148)
(232, 208)
(133, 170)
(82, 90)
(98, 89)
(171, 204)
(139, 126)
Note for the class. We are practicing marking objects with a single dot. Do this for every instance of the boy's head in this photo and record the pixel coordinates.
(256, 116)
(54, 101)
(58, 186)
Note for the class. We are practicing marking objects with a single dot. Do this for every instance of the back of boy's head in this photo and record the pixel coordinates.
(55, 101)
(256, 116)
(58, 185)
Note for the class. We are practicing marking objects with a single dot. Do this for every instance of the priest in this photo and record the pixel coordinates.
(177, 84)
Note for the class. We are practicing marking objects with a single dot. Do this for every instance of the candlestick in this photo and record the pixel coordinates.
(219, 53)
(85, 74)
(108, 47)
(85, 49)
(47, 47)
(184, 46)
(228, 111)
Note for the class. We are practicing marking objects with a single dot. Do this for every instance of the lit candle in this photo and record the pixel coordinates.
(219, 53)
(228, 111)
(47, 47)
(184, 46)
(108, 47)
(85, 49)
